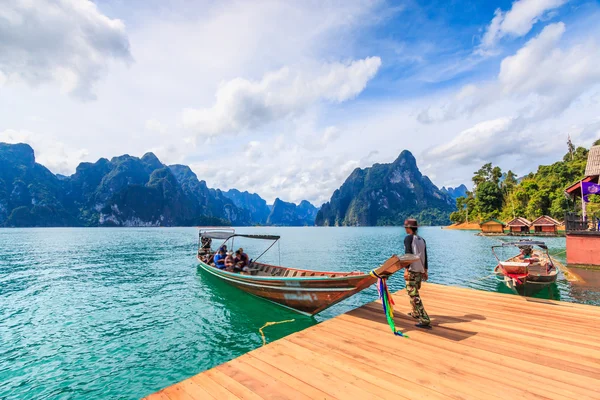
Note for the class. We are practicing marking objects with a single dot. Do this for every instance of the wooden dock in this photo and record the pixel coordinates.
(482, 346)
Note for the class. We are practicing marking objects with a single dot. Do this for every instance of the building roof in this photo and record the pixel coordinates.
(593, 162)
(592, 173)
(575, 189)
(495, 221)
(519, 221)
(545, 220)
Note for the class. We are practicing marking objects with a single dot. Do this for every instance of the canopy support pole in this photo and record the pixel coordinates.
(261, 254)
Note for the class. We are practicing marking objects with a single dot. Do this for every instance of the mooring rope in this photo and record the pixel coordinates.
(481, 279)
(262, 334)
(559, 253)
(387, 301)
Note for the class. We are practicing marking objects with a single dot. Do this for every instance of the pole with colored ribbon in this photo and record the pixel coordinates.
(387, 301)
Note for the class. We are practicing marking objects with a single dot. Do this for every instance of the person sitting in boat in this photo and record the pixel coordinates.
(527, 254)
(219, 259)
(205, 246)
(229, 262)
(241, 260)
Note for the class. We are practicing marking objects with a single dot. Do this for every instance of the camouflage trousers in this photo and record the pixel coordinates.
(413, 284)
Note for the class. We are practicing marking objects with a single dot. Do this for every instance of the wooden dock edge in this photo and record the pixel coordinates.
(479, 342)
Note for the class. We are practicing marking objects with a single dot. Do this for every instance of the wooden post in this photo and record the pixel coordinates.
(583, 210)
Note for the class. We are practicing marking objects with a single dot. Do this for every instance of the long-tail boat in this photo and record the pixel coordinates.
(533, 265)
(305, 291)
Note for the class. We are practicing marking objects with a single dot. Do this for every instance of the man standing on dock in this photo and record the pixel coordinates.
(416, 272)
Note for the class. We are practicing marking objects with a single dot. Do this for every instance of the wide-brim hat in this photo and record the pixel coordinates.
(411, 223)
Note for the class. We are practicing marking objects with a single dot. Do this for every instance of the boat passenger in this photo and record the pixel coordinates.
(229, 262)
(241, 259)
(416, 272)
(219, 259)
(527, 255)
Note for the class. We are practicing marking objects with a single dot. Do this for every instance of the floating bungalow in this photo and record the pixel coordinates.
(519, 226)
(582, 231)
(492, 226)
(545, 225)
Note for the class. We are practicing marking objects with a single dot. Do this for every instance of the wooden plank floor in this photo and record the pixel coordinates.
(482, 346)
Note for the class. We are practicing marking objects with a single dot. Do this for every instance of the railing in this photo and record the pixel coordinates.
(575, 224)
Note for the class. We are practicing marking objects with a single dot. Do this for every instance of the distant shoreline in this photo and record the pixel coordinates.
(472, 226)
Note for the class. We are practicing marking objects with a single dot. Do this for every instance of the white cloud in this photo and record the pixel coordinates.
(242, 104)
(542, 78)
(252, 150)
(292, 175)
(68, 42)
(317, 141)
(51, 153)
(586, 133)
(535, 89)
(303, 136)
(556, 76)
(182, 52)
(331, 134)
(156, 126)
(493, 138)
(518, 21)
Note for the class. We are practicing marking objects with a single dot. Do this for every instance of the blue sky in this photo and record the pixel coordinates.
(285, 99)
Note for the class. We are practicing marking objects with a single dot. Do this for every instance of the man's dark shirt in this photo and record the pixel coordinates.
(242, 258)
(408, 248)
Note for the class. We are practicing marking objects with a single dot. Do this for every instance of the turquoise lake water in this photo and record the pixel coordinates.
(120, 313)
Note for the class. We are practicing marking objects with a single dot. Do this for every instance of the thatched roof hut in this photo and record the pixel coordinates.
(519, 225)
(593, 162)
(545, 224)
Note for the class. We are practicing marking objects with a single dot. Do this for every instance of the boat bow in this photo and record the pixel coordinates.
(306, 291)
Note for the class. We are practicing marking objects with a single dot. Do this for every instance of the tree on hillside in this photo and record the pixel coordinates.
(465, 206)
(488, 193)
(542, 192)
(597, 143)
(510, 181)
(489, 198)
(496, 175)
(570, 147)
(539, 193)
(483, 174)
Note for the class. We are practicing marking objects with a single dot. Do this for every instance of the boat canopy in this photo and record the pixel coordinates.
(524, 243)
(226, 235)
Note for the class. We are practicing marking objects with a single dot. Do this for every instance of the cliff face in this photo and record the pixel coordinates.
(132, 191)
(386, 194)
(459, 191)
(125, 191)
(256, 205)
(290, 214)
(211, 202)
(30, 195)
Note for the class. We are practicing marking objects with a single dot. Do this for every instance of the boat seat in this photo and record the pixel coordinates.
(513, 264)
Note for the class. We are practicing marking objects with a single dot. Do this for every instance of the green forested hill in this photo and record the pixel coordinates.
(123, 191)
(29, 193)
(501, 195)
